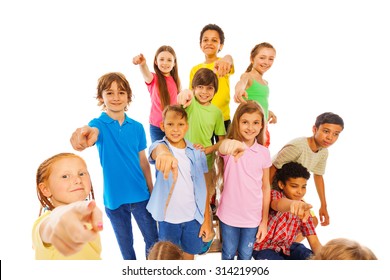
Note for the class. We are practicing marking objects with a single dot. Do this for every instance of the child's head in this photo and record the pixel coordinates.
(175, 124)
(63, 179)
(165, 250)
(327, 129)
(262, 57)
(291, 179)
(344, 249)
(248, 123)
(108, 84)
(212, 39)
(205, 85)
(165, 64)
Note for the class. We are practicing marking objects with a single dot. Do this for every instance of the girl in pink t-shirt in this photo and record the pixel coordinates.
(163, 85)
(243, 169)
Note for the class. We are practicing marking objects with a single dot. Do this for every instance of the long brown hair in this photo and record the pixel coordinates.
(165, 250)
(161, 82)
(251, 106)
(43, 174)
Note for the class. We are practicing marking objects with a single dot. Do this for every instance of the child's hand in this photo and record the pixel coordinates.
(222, 67)
(261, 232)
(84, 137)
(139, 59)
(240, 96)
(165, 163)
(199, 147)
(301, 209)
(184, 98)
(70, 227)
(232, 147)
(272, 117)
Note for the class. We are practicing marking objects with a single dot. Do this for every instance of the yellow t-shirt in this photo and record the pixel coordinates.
(221, 98)
(91, 250)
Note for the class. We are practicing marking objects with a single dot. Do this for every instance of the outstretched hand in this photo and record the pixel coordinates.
(84, 137)
(139, 59)
(70, 227)
(184, 98)
(232, 147)
(165, 163)
(301, 209)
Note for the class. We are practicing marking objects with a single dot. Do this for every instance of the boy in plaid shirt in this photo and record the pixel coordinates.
(288, 216)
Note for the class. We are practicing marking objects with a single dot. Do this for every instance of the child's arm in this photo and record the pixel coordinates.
(141, 61)
(84, 137)
(296, 207)
(165, 161)
(223, 66)
(266, 188)
(69, 227)
(272, 117)
(145, 166)
(232, 147)
(323, 212)
(184, 98)
(314, 243)
(206, 230)
(213, 148)
(240, 89)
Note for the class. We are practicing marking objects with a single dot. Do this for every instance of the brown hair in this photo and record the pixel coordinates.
(344, 249)
(43, 174)
(256, 50)
(251, 106)
(178, 109)
(161, 82)
(205, 77)
(165, 250)
(105, 82)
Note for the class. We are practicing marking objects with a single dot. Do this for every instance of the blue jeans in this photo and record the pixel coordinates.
(156, 133)
(121, 223)
(237, 240)
(298, 251)
(184, 235)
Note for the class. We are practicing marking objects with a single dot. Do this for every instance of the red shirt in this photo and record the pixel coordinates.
(283, 229)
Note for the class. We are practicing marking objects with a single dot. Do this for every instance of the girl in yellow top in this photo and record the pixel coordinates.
(69, 227)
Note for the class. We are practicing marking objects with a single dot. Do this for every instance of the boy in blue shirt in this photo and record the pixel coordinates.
(121, 143)
(178, 200)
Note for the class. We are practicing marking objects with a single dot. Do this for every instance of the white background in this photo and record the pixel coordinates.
(331, 56)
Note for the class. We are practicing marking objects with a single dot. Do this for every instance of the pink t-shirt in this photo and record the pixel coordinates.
(155, 117)
(241, 202)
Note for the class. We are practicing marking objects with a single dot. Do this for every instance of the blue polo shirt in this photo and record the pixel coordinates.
(156, 205)
(118, 146)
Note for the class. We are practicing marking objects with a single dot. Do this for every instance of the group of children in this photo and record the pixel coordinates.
(196, 149)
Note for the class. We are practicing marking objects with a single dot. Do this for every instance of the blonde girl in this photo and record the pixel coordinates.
(243, 171)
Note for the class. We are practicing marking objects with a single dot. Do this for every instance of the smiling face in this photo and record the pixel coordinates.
(165, 62)
(250, 125)
(68, 182)
(211, 43)
(295, 188)
(175, 126)
(263, 60)
(115, 99)
(204, 94)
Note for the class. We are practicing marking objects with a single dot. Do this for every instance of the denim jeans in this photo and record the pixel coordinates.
(237, 240)
(120, 219)
(156, 133)
(298, 251)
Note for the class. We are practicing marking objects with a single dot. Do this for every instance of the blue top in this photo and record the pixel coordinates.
(156, 205)
(119, 147)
